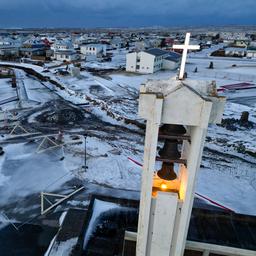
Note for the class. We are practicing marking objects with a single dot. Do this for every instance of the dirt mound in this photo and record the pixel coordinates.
(233, 124)
(62, 116)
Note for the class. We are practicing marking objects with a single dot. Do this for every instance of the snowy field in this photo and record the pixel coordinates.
(227, 174)
(6, 90)
(8, 95)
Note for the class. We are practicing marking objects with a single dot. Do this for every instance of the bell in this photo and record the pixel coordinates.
(167, 172)
(170, 150)
(168, 129)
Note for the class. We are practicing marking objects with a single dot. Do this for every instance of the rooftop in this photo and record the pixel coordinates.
(208, 224)
(156, 52)
(173, 56)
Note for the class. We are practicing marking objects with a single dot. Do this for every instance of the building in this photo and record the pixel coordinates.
(63, 45)
(241, 43)
(79, 41)
(117, 43)
(152, 60)
(141, 45)
(251, 52)
(9, 48)
(64, 51)
(68, 55)
(235, 52)
(34, 43)
(233, 35)
(32, 52)
(93, 49)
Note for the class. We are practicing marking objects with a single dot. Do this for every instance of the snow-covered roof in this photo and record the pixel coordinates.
(251, 48)
(9, 42)
(235, 49)
(93, 45)
(64, 42)
(30, 49)
(156, 52)
(68, 52)
(173, 56)
(33, 41)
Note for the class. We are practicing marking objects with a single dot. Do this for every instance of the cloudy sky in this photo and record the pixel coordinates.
(125, 13)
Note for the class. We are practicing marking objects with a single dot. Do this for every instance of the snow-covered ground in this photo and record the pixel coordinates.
(118, 60)
(8, 95)
(108, 165)
(26, 170)
(35, 91)
(227, 176)
(6, 90)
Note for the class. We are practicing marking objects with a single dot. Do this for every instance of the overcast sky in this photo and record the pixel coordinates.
(125, 13)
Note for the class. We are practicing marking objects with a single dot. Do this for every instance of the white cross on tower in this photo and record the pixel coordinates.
(185, 49)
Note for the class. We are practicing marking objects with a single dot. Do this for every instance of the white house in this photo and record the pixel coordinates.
(93, 49)
(66, 55)
(251, 52)
(64, 51)
(62, 45)
(117, 42)
(33, 42)
(233, 35)
(235, 52)
(141, 45)
(80, 41)
(9, 47)
(152, 60)
(9, 43)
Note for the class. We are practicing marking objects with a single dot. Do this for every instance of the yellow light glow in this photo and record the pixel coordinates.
(163, 186)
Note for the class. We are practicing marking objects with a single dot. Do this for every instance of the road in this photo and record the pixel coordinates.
(21, 89)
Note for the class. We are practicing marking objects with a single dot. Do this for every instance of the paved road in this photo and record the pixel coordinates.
(22, 93)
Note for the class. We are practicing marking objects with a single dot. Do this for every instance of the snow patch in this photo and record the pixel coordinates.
(98, 208)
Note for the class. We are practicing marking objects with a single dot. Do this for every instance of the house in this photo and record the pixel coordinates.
(93, 49)
(35, 43)
(169, 42)
(151, 61)
(172, 61)
(64, 51)
(235, 52)
(141, 45)
(251, 52)
(9, 48)
(68, 55)
(241, 43)
(63, 45)
(117, 43)
(80, 41)
(231, 36)
(32, 52)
